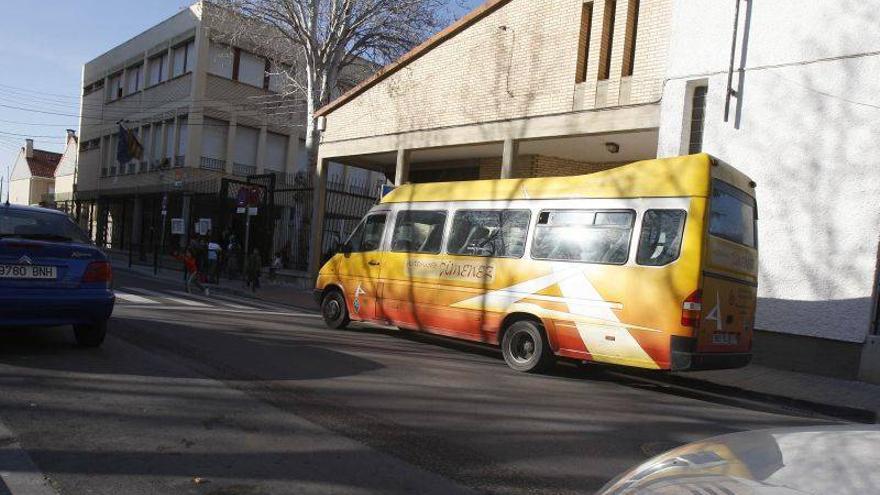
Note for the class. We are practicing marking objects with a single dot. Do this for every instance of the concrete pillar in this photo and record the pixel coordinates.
(163, 142)
(508, 157)
(230, 143)
(137, 221)
(185, 210)
(262, 143)
(196, 115)
(320, 193)
(401, 172)
(290, 165)
(175, 135)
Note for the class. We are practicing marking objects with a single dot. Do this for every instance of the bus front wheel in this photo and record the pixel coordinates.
(525, 348)
(334, 311)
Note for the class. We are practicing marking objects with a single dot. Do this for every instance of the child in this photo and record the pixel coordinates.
(192, 270)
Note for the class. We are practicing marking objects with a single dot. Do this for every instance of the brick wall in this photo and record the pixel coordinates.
(519, 61)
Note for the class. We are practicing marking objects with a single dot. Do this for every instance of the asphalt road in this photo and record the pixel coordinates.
(224, 395)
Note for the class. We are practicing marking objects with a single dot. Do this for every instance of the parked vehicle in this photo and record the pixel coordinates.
(787, 461)
(651, 264)
(51, 274)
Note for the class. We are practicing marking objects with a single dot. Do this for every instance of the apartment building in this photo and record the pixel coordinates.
(797, 110)
(209, 116)
(517, 88)
(32, 177)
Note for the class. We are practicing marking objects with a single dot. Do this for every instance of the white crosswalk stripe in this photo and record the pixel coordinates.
(132, 298)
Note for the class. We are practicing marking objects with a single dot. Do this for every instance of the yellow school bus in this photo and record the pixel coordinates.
(652, 264)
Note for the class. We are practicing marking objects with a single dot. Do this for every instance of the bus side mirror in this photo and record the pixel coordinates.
(345, 248)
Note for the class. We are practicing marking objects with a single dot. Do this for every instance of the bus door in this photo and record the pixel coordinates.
(730, 276)
(361, 267)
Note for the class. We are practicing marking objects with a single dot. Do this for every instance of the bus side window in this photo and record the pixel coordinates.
(660, 241)
(588, 236)
(418, 231)
(499, 233)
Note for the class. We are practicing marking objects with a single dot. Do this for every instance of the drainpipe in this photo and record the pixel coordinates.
(730, 90)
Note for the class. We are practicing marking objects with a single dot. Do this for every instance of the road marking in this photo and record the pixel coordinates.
(134, 298)
(211, 299)
(178, 300)
(18, 472)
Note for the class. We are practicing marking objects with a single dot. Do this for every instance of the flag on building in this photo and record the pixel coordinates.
(128, 147)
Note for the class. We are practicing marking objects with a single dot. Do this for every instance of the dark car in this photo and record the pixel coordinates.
(51, 274)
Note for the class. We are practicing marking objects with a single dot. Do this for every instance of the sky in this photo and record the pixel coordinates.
(43, 46)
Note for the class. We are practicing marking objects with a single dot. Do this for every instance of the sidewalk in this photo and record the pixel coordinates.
(846, 399)
(276, 292)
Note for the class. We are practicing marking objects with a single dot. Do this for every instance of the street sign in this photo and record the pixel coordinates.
(252, 212)
(177, 226)
(241, 209)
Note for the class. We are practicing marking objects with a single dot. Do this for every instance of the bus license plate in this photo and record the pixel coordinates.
(725, 338)
(28, 272)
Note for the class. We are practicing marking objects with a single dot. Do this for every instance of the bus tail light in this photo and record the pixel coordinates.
(97, 272)
(691, 309)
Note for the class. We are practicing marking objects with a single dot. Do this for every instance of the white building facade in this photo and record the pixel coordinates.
(803, 120)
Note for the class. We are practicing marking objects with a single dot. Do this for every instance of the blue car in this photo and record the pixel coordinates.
(51, 274)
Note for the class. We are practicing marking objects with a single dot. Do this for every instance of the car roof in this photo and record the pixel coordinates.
(38, 209)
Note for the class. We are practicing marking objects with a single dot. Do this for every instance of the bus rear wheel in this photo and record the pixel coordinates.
(334, 311)
(525, 348)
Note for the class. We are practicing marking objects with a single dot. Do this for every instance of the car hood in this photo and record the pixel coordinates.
(790, 461)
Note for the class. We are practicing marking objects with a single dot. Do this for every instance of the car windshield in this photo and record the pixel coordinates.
(33, 224)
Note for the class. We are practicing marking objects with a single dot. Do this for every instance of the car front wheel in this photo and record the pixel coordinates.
(334, 310)
(90, 335)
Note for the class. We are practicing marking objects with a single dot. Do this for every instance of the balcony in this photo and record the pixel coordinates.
(242, 170)
(212, 163)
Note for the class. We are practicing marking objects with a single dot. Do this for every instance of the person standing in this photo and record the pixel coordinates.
(214, 251)
(252, 266)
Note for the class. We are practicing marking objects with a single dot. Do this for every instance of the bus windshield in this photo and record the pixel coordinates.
(733, 215)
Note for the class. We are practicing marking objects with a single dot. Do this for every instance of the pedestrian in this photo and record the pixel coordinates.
(252, 266)
(214, 251)
(275, 266)
(192, 272)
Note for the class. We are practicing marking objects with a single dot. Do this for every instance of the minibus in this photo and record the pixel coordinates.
(651, 264)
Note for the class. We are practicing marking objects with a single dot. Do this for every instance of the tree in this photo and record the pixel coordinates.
(323, 47)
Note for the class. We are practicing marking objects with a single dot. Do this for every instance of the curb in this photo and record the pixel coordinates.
(214, 288)
(846, 413)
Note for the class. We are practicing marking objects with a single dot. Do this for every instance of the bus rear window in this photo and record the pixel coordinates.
(732, 215)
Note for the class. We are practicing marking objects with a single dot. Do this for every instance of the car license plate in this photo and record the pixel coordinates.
(725, 338)
(28, 272)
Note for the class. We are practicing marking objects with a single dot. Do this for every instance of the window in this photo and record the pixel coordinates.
(182, 135)
(181, 59)
(276, 151)
(579, 235)
(220, 60)
(629, 41)
(660, 242)
(698, 118)
(733, 215)
(157, 70)
(607, 39)
(114, 90)
(133, 80)
(584, 41)
(500, 233)
(36, 224)
(169, 140)
(251, 69)
(368, 235)
(214, 136)
(91, 88)
(246, 143)
(418, 231)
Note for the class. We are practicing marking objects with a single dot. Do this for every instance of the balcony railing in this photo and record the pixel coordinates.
(243, 170)
(211, 163)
